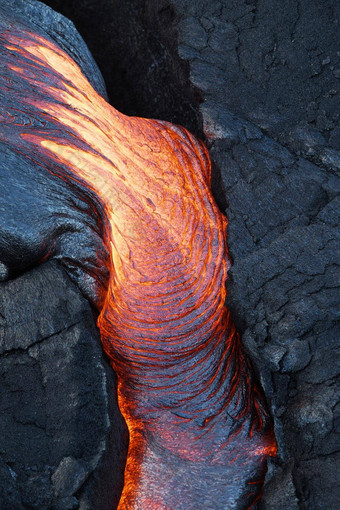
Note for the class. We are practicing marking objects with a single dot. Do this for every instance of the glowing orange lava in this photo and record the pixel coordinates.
(186, 389)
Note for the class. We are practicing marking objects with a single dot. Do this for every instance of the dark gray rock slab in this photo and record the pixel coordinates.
(63, 440)
(62, 436)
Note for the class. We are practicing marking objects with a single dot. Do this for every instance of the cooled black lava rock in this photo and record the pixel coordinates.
(62, 437)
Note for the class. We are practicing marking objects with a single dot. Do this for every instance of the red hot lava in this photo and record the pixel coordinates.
(199, 430)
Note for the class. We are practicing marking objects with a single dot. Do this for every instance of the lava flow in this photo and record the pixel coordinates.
(199, 430)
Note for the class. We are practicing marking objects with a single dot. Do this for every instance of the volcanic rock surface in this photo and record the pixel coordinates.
(259, 80)
(62, 437)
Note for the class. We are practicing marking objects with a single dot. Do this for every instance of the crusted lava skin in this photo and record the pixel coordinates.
(199, 430)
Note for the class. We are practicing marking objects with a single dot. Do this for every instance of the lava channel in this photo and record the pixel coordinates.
(199, 430)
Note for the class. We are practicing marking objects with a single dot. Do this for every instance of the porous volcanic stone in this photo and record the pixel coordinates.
(267, 74)
(62, 437)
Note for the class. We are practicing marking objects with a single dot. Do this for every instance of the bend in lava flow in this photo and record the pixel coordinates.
(186, 389)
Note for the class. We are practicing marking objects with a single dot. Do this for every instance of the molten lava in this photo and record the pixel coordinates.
(196, 417)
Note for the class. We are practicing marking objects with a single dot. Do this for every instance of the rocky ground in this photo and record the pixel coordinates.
(259, 81)
(62, 438)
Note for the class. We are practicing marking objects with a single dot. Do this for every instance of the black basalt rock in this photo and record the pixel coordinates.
(62, 436)
(268, 76)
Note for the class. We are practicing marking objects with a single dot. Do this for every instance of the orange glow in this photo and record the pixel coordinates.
(163, 320)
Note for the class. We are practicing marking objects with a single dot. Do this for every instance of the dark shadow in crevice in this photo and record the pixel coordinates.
(217, 187)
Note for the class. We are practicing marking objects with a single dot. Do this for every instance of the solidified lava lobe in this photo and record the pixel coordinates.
(186, 389)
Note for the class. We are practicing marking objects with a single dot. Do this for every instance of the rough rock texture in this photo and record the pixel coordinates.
(268, 73)
(62, 437)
